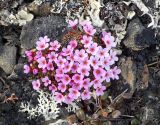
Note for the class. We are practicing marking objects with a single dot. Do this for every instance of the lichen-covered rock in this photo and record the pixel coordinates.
(52, 26)
(7, 58)
(138, 37)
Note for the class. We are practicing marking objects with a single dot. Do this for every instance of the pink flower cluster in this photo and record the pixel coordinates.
(71, 73)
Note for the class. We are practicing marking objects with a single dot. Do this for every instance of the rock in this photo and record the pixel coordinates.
(52, 26)
(128, 71)
(7, 58)
(138, 37)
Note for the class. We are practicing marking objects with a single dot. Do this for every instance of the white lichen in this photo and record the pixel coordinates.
(73, 107)
(58, 6)
(47, 106)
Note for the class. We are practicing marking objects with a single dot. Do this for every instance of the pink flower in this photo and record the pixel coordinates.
(28, 53)
(52, 56)
(108, 40)
(41, 45)
(99, 72)
(46, 81)
(36, 84)
(53, 88)
(73, 93)
(83, 70)
(80, 54)
(50, 66)
(75, 67)
(102, 52)
(77, 78)
(59, 97)
(86, 40)
(86, 83)
(45, 38)
(71, 57)
(106, 63)
(59, 71)
(35, 71)
(108, 75)
(66, 79)
(62, 87)
(67, 51)
(73, 23)
(89, 30)
(77, 86)
(68, 99)
(38, 55)
(86, 95)
(44, 70)
(92, 49)
(67, 67)
(42, 62)
(115, 72)
(26, 69)
(60, 62)
(113, 56)
(73, 43)
(58, 77)
(97, 83)
(94, 61)
(85, 62)
(100, 90)
(54, 45)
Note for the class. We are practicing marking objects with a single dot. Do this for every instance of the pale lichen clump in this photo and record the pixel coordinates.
(47, 106)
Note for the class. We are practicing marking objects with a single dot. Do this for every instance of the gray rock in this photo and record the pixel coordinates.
(52, 26)
(138, 37)
(7, 58)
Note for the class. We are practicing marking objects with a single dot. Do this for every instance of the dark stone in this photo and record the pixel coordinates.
(7, 58)
(138, 37)
(52, 26)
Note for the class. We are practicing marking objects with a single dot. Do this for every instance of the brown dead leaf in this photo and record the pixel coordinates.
(72, 119)
(80, 114)
(116, 114)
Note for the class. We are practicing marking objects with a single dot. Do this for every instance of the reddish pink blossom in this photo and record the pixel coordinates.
(113, 56)
(85, 62)
(58, 77)
(73, 23)
(66, 79)
(45, 38)
(67, 67)
(44, 70)
(87, 83)
(50, 66)
(41, 45)
(67, 51)
(94, 61)
(59, 97)
(60, 61)
(97, 83)
(115, 72)
(108, 75)
(86, 40)
(75, 67)
(52, 56)
(46, 81)
(73, 43)
(89, 30)
(54, 45)
(106, 63)
(36, 84)
(85, 23)
(62, 87)
(38, 55)
(68, 99)
(53, 88)
(59, 71)
(77, 86)
(92, 49)
(83, 70)
(86, 95)
(102, 52)
(99, 72)
(28, 53)
(77, 78)
(80, 54)
(74, 93)
(100, 90)
(71, 57)
(26, 69)
(35, 71)
(42, 62)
